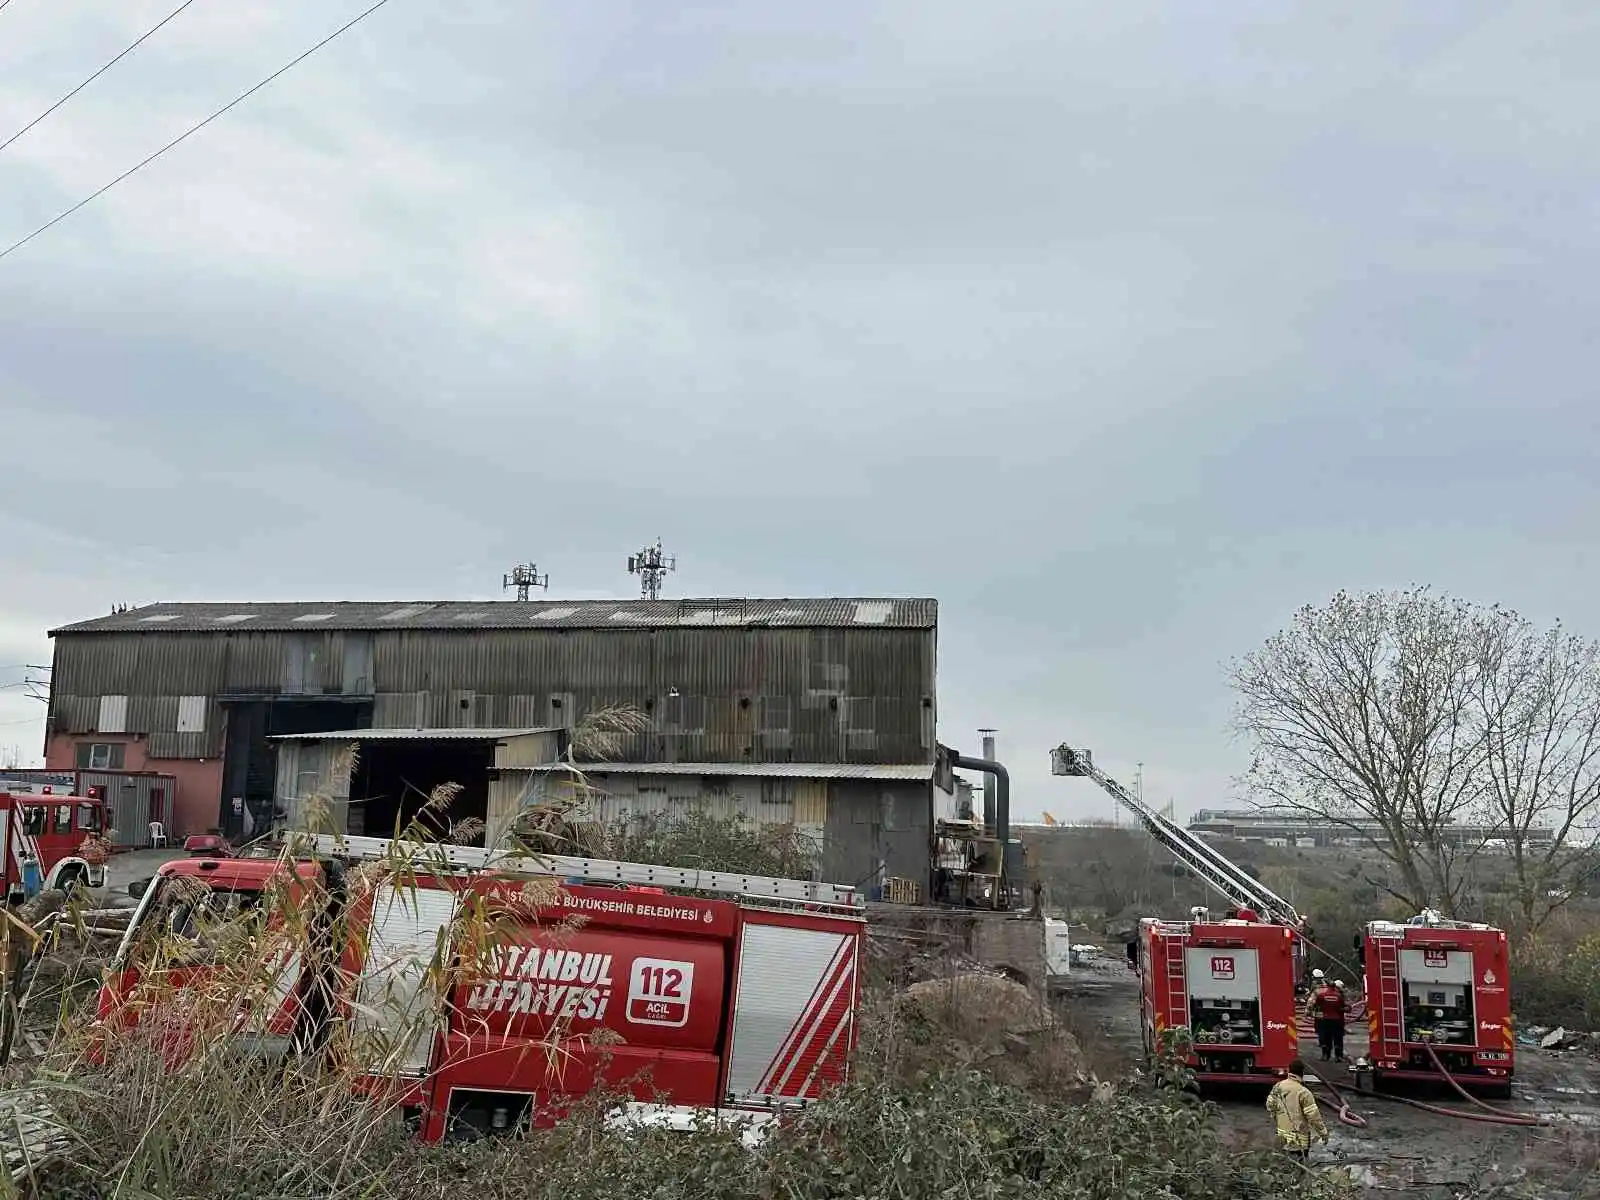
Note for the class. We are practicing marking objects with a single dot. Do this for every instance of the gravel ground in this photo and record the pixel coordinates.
(1403, 1151)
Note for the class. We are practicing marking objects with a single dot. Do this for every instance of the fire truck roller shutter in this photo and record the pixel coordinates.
(1224, 994)
(795, 996)
(1441, 980)
(653, 991)
(392, 1014)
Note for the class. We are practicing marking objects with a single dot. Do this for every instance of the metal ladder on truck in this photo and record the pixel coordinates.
(1178, 982)
(1224, 877)
(466, 859)
(1391, 1026)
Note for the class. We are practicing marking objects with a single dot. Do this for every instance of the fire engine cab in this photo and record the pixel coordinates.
(49, 840)
(1444, 986)
(745, 1000)
(1230, 984)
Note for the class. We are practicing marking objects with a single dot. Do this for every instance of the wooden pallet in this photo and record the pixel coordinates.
(31, 1136)
(903, 891)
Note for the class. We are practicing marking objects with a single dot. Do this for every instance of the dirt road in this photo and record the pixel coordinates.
(1402, 1151)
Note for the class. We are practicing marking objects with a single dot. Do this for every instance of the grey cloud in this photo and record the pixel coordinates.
(1122, 328)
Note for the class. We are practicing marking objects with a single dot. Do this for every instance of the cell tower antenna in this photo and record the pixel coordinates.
(651, 565)
(524, 576)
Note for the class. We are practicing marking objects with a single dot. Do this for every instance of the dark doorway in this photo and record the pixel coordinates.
(250, 763)
(395, 777)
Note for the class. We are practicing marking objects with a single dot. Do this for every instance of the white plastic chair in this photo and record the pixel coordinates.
(158, 835)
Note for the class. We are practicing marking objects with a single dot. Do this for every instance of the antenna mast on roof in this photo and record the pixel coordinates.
(651, 566)
(524, 576)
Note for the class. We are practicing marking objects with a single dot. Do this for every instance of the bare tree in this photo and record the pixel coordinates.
(1539, 697)
(1363, 713)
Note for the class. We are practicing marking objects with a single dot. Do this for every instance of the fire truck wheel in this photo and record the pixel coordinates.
(74, 881)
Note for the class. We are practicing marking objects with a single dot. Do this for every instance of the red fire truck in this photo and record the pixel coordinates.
(50, 841)
(1230, 984)
(745, 1001)
(1445, 986)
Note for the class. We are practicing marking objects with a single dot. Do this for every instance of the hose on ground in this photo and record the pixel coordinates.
(1497, 1116)
(1489, 1115)
(1342, 1109)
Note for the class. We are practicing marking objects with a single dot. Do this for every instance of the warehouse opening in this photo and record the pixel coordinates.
(395, 779)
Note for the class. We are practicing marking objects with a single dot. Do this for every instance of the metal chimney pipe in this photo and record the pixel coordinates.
(1002, 800)
(988, 782)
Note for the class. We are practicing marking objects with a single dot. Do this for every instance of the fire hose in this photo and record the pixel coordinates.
(1489, 1116)
(1342, 1109)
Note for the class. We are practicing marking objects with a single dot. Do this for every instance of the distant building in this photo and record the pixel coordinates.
(816, 712)
(1292, 827)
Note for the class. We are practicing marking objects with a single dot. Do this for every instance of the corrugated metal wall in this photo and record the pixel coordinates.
(316, 772)
(129, 799)
(847, 695)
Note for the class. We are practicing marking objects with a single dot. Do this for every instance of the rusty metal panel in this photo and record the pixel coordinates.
(313, 784)
(73, 714)
(170, 744)
(356, 678)
(511, 673)
(153, 714)
(399, 710)
(810, 803)
(529, 750)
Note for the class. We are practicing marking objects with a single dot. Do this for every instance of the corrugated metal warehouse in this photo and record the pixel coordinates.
(819, 712)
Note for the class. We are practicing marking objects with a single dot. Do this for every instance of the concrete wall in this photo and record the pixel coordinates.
(197, 782)
(1011, 942)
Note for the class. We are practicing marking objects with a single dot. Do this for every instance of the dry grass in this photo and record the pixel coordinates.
(946, 1100)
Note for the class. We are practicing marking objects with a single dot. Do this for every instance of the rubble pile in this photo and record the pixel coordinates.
(993, 1002)
(1542, 1037)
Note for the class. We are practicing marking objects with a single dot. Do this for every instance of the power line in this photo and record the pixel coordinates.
(129, 50)
(193, 129)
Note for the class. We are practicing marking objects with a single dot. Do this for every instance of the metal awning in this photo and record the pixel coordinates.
(413, 735)
(909, 772)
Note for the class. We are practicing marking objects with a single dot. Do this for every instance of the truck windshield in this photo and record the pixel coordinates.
(198, 922)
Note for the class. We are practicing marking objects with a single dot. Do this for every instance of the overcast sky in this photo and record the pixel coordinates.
(1123, 329)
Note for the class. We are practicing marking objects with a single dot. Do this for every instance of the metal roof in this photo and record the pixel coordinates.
(412, 735)
(902, 613)
(878, 771)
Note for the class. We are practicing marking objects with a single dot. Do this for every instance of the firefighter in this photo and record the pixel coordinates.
(1294, 1111)
(1329, 1008)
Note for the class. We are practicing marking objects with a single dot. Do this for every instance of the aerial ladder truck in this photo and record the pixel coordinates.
(1222, 992)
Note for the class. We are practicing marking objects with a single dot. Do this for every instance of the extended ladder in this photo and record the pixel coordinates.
(1224, 877)
(590, 870)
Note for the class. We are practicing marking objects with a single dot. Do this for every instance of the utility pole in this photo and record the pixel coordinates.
(524, 576)
(651, 565)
